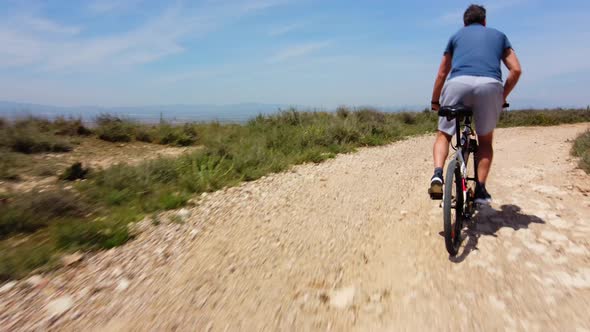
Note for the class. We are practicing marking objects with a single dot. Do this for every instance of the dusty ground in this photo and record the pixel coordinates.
(350, 244)
(41, 170)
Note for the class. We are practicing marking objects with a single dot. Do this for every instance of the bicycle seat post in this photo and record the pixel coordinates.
(457, 112)
(458, 130)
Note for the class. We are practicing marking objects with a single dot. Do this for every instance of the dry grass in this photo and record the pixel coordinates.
(96, 212)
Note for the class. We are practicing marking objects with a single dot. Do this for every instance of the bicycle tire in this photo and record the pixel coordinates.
(453, 222)
(470, 204)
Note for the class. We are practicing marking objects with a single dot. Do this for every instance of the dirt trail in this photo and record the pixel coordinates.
(350, 244)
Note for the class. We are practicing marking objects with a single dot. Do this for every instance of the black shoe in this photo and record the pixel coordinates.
(482, 196)
(436, 186)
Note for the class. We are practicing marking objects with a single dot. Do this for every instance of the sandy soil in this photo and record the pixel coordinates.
(350, 244)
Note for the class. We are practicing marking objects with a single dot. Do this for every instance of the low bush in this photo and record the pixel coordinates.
(343, 112)
(115, 129)
(9, 165)
(111, 128)
(581, 149)
(31, 211)
(145, 134)
(70, 127)
(176, 135)
(30, 134)
(27, 140)
(543, 118)
(32, 122)
(108, 200)
(74, 172)
(75, 235)
(20, 259)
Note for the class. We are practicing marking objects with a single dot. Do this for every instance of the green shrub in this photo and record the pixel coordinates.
(9, 165)
(36, 135)
(108, 200)
(74, 172)
(15, 220)
(343, 112)
(90, 234)
(170, 201)
(70, 127)
(28, 140)
(124, 184)
(117, 197)
(111, 128)
(581, 149)
(202, 172)
(408, 118)
(18, 260)
(145, 134)
(542, 118)
(115, 133)
(115, 129)
(35, 123)
(29, 212)
(175, 135)
(370, 115)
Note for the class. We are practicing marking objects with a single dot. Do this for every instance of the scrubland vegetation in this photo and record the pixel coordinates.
(90, 209)
(581, 149)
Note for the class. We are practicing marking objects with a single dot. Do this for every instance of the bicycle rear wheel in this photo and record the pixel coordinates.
(453, 208)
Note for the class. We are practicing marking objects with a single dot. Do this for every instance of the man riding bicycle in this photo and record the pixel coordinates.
(472, 57)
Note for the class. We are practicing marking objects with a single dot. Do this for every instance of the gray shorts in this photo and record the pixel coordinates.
(485, 95)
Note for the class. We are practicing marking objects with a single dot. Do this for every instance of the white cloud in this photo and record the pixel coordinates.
(284, 29)
(42, 44)
(108, 6)
(503, 4)
(26, 38)
(298, 50)
(149, 42)
(18, 50)
(255, 5)
(43, 25)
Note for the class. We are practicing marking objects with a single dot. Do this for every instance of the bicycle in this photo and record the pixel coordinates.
(459, 187)
(458, 191)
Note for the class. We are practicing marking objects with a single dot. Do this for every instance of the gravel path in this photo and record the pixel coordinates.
(349, 244)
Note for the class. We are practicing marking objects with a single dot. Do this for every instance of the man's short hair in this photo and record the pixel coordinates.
(474, 14)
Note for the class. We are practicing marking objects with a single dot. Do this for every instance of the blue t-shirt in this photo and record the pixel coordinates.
(477, 51)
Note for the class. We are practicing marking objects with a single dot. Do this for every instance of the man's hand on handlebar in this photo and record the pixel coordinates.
(434, 106)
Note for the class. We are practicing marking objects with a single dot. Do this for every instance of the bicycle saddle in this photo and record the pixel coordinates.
(455, 111)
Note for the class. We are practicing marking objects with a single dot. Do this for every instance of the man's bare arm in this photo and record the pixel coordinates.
(443, 72)
(513, 65)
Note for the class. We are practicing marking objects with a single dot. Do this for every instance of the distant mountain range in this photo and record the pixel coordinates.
(179, 113)
(173, 113)
(198, 112)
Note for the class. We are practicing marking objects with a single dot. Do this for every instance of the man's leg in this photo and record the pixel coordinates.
(484, 155)
(441, 149)
(488, 107)
(452, 94)
(440, 152)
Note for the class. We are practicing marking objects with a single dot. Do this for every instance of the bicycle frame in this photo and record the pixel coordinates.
(463, 149)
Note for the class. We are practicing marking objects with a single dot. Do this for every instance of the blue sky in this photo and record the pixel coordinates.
(319, 53)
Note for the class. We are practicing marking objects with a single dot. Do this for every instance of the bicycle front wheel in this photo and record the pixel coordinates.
(453, 207)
